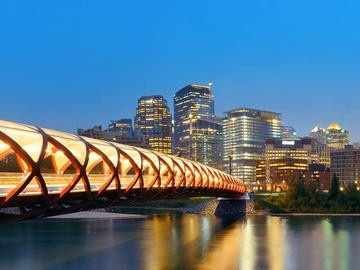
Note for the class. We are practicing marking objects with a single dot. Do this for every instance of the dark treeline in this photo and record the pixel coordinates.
(304, 196)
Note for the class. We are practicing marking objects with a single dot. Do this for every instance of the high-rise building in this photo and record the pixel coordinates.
(245, 131)
(337, 137)
(319, 134)
(345, 164)
(197, 132)
(153, 119)
(205, 142)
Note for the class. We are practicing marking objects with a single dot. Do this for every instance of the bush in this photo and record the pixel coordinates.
(304, 196)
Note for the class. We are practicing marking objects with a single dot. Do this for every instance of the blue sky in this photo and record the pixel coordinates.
(68, 64)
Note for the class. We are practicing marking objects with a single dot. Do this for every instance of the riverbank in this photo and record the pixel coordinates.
(99, 214)
(306, 205)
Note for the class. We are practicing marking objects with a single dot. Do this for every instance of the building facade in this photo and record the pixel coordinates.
(319, 134)
(289, 133)
(319, 174)
(137, 140)
(153, 119)
(95, 132)
(285, 159)
(345, 164)
(205, 142)
(337, 137)
(191, 102)
(245, 131)
(197, 132)
(122, 127)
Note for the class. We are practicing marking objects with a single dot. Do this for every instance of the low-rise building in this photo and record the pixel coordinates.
(345, 164)
(95, 132)
(284, 159)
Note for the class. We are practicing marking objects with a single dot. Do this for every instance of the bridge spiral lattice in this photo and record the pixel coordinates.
(45, 172)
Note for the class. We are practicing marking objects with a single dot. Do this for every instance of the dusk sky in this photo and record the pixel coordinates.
(69, 64)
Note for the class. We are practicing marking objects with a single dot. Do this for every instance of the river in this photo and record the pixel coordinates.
(173, 241)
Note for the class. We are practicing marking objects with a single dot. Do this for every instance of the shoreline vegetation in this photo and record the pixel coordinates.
(304, 198)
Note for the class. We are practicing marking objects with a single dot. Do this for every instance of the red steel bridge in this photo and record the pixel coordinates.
(45, 172)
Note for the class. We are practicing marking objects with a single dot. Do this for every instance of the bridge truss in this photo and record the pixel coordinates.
(45, 172)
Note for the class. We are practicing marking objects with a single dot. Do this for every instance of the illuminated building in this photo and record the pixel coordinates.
(122, 127)
(345, 164)
(289, 133)
(323, 153)
(322, 149)
(245, 131)
(197, 132)
(153, 119)
(205, 142)
(337, 137)
(283, 159)
(319, 134)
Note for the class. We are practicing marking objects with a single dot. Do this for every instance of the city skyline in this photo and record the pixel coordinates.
(257, 55)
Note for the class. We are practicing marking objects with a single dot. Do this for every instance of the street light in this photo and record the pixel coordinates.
(230, 168)
(191, 117)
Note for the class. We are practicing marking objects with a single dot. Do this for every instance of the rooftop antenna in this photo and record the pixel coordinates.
(210, 84)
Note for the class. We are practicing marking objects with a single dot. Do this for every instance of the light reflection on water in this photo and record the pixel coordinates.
(169, 241)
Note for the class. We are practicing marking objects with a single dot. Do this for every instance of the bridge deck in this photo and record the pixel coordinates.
(42, 169)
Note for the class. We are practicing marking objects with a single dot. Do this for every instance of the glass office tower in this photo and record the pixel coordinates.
(197, 133)
(153, 119)
(245, 131)
(204, 144)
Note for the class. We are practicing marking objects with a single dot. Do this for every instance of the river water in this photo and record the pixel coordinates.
(170, 241)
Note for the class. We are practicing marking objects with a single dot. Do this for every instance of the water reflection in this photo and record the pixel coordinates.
(183, 242)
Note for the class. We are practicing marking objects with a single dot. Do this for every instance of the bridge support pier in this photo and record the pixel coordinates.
(224, 207)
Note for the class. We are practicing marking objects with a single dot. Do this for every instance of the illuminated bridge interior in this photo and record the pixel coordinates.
(45, 172)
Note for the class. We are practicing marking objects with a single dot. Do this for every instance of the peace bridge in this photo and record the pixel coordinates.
(45, 172)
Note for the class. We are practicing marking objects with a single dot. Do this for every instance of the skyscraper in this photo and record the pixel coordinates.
(153, 119)
(190, 103)
(245, 131)
(205, 142)
(318, 133)
(337, 137)
(323, 151)
(197, 132)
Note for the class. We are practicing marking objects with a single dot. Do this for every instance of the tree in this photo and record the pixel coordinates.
(334, 192)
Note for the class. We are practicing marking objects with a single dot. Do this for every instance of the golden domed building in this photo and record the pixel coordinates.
(337, 137)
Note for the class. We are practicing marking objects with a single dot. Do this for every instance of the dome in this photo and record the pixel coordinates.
(334, 126)
(317, 129)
